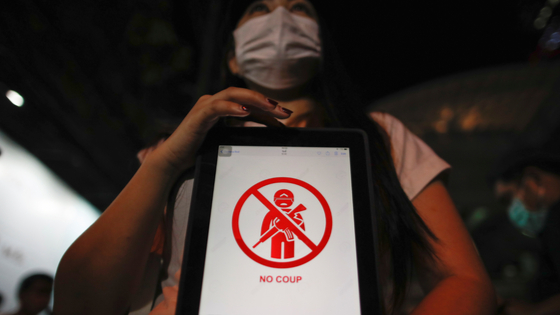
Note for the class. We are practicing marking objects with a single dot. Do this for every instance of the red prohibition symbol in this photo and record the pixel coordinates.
(287, 222)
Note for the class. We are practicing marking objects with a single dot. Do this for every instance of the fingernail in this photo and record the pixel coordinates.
(245, 108)
(271, 101)
(285, 110)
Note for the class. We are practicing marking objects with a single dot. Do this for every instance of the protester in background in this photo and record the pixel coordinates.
(528, 181)
(34, 294)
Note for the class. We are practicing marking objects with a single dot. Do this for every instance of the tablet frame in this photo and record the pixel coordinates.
(365, 224)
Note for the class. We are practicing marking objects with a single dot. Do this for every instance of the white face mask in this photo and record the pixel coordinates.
(278, 50)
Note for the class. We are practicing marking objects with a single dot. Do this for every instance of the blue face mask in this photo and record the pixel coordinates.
(530, 222)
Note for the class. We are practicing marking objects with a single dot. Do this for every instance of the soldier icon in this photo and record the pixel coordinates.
(282, 239)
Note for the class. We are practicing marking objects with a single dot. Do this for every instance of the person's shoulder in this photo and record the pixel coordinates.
(416, 164)
(381, 117)
(388, 122)
(398, 134)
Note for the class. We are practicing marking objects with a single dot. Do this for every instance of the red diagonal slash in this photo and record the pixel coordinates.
(285, 219)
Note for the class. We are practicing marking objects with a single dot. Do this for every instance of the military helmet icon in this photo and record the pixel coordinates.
(283, 198)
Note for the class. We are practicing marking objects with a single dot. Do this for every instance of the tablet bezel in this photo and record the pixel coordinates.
(190, 284)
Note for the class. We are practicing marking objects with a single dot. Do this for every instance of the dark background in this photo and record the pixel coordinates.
(101, 78)
(390, 45)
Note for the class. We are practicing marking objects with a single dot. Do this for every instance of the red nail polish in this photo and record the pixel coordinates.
(285, 110)
(271, 101)
(245, 108)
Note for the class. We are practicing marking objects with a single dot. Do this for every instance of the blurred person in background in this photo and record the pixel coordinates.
(528, 182)
(34, 295)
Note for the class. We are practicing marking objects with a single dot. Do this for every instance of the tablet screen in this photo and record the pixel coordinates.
(281, 237)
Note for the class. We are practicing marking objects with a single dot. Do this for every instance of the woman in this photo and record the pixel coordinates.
(102, 270)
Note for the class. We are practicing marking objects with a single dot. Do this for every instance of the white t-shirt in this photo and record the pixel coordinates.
(416, 165)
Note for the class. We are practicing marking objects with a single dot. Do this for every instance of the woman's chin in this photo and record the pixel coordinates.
(281, 93)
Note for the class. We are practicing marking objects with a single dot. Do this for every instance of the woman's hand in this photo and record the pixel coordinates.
(104, 267)
(178, 152)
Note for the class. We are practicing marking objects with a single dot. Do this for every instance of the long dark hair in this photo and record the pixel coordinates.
(401, 230)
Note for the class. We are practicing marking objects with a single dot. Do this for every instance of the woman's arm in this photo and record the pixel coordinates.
(100, 272)
(457, 282)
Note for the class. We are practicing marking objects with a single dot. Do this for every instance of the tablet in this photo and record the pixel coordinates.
(281, 222)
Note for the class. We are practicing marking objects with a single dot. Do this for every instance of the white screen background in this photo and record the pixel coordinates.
(232, 282)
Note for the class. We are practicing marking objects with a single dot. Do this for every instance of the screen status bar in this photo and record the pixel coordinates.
(225, 151)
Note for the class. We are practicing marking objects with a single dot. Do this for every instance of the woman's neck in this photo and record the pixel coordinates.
(307, 112)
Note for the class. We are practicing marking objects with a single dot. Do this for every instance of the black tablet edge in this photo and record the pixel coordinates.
(369, 304)
(190, 283)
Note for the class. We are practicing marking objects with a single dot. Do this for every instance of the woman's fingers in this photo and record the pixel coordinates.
(208, 113)
(180, 149)
(263, 118)
(237, 102)
(253, 99)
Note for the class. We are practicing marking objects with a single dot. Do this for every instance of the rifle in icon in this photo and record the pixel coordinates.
(274, 230)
